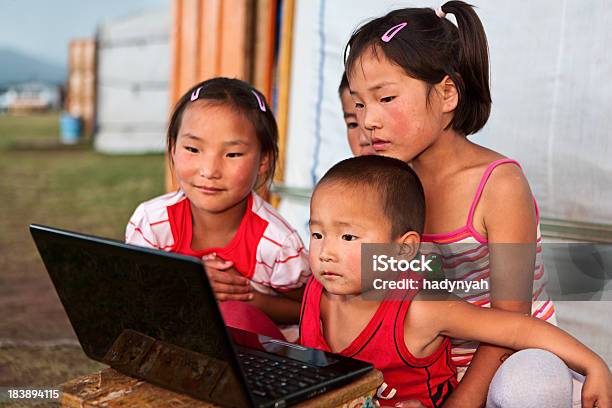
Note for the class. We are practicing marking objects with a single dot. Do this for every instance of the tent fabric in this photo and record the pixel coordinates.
(133, 71)
(549, 64)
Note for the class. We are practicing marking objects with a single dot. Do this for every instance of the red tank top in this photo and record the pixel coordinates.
(428, 379)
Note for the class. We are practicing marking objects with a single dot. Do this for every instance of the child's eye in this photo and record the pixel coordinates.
(387, 99)
(358, 105)
(349, 237)
(351, 125)
(191, 149)
(234, 155)
(316, 235)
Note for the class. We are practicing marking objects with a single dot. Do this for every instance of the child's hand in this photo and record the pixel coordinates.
(597, 388)
(225, 280)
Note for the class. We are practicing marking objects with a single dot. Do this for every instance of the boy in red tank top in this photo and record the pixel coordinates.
(376, 199)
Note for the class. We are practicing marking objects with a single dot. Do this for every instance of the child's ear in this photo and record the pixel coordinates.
(449, 93)
(170, 157)
(264, 164)
(409, 244)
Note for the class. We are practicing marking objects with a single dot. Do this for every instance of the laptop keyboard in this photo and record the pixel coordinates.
(271, 378)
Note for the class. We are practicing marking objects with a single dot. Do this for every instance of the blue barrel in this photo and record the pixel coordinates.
(70, 128)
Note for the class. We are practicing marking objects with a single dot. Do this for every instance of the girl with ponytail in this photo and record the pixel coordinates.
(420, 84)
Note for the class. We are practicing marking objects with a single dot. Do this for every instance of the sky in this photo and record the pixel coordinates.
(43, 28)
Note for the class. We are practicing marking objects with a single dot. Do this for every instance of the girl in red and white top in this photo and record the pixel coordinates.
(222, 145)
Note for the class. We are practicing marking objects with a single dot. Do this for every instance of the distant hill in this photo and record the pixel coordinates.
(17, 66)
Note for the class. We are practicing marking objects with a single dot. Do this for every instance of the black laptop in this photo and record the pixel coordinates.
(152, 314)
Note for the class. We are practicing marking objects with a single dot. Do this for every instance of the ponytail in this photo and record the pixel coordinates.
(472, 67)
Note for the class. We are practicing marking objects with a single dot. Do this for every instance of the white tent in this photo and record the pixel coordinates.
(550, 64)
(132, 91)
(549, 67)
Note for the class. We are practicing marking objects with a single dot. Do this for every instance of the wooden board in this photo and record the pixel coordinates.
(81, 93)
(209, 38)
(111, 389)
(263, 51)
(284, 82)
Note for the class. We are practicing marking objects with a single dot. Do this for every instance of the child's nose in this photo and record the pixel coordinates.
(326, 254)
(210, 168)
(323, 257)
(371, 119)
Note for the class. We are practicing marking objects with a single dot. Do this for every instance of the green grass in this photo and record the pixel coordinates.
(15, 128)
(77, 189)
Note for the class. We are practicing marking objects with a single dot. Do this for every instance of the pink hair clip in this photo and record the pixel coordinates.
(386, 37)
(440, 13)
(195, 94)
(262, 106)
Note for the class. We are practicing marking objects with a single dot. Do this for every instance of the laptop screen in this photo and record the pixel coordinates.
(106, 290)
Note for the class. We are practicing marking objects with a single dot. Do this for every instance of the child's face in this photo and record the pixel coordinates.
(341, 219)
(217, 157)
(358, 140)
(393, 108)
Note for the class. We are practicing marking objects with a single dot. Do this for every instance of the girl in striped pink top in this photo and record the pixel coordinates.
(420, 85)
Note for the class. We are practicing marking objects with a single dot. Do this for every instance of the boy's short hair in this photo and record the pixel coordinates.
(398, 187)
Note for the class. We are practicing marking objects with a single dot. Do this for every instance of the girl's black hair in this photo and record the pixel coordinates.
(237, 95)
(430, 47)
(344, 84)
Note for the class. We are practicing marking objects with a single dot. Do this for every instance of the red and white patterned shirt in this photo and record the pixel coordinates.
(265, 248)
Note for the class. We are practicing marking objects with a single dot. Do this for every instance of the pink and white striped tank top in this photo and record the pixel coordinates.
(465, 256)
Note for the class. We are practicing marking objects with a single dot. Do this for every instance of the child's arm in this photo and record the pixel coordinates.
(288, 274)
(456, 318)
(506, 212)
(281, 309)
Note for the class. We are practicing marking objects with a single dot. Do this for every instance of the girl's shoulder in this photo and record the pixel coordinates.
(504, 206)
(156, 209)
(165, 200)
(278, 227)
(503, 179)
(494, 171)
(480, 158)
(149, 225)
